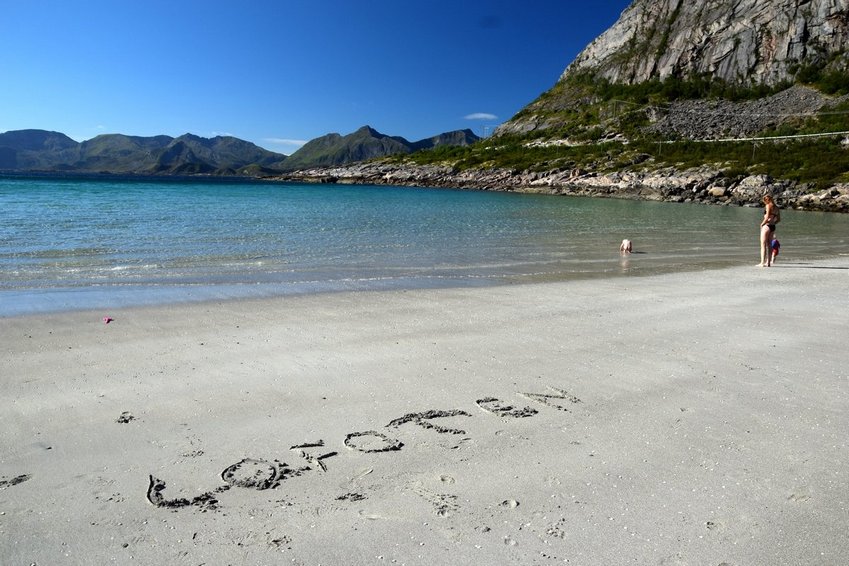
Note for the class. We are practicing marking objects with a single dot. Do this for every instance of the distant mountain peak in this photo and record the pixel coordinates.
(370, 131)
(363, 144)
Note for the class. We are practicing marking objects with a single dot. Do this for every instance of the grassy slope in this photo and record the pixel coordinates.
(586, 111)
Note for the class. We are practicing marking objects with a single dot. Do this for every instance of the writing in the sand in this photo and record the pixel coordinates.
(255, 473)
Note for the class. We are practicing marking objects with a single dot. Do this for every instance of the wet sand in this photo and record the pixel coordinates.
(694, 418)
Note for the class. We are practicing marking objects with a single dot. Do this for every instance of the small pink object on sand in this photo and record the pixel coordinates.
(107, 319)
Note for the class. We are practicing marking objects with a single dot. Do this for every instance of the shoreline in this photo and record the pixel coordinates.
(703, 185)
(109, 298)
(664, 418)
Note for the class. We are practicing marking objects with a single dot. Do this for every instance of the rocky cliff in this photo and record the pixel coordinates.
(750, 41)
(760, 45)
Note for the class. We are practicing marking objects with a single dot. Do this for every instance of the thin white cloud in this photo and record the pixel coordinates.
(480, 116)
(285, 142)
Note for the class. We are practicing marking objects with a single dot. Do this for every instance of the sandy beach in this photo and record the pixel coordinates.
(686, 419)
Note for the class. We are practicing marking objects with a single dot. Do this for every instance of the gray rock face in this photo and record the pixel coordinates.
(736, 40)
(716, 119)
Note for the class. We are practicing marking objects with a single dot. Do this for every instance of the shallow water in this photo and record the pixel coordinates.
(97, 243)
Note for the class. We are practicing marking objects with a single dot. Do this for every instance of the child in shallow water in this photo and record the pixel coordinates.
(774, 246)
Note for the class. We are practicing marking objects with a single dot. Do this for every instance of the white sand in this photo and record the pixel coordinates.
(697, 418)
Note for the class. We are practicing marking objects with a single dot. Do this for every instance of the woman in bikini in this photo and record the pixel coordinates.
(771, 218)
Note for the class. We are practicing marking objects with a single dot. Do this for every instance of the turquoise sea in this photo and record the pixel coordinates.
(74, 243)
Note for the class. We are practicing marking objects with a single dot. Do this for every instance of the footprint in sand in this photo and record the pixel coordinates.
(557, 529)
(445, 504)
(800, 494)
(351, 497)
(282, 542)
(192, 454)
(715, 525)
(799, 497)
(673, 560)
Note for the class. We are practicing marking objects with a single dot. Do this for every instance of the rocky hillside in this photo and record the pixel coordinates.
(673, 103)
(700, 51)
(457, 138)
(366, 143)
(713, 119)
(36, 150)
(757, 41)
(39, 150)
(190, 154)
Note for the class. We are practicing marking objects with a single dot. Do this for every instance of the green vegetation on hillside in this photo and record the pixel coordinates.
(671, 89)
(588, 112)
(823, 75)
(800, 160)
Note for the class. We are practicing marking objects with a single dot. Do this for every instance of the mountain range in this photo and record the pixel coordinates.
(45, 151)
(667, 72)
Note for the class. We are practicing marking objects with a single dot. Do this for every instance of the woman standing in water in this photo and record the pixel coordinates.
(771, 217)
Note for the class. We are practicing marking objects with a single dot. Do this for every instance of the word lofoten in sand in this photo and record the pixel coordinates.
(252, 473)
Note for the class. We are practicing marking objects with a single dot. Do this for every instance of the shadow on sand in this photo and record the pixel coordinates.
(809, 266)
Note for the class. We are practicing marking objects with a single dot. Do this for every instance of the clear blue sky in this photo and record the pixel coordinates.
(279, 73)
